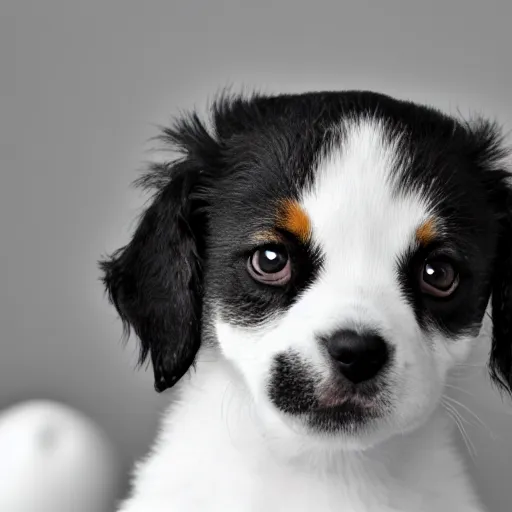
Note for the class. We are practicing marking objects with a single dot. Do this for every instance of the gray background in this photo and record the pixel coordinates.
(83, 85)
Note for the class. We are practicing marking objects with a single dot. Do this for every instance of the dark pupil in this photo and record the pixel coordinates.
(271, 261)
(440, 275)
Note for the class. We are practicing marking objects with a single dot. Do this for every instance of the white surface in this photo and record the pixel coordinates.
(53, 459)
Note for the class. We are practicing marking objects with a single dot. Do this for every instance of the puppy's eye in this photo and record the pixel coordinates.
(270, 265)
(439, 278)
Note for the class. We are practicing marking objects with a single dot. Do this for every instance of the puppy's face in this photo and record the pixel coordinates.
(345, 295)
(340, 249)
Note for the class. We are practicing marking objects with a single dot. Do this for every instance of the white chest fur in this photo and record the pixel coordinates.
(211, 455)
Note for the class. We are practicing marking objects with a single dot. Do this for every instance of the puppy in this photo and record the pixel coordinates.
(308, 273)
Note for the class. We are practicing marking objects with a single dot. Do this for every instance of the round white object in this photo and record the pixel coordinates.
(54, 459)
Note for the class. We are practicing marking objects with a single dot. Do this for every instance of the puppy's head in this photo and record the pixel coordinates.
(341, 250)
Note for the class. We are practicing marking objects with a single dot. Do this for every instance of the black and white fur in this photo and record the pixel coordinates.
(264, 420)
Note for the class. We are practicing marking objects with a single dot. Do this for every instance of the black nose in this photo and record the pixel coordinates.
(359, 357)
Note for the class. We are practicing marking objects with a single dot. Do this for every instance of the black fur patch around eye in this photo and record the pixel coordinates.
(460, 313)
(249, 303)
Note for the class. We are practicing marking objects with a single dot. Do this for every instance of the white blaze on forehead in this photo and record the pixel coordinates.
(358, 220)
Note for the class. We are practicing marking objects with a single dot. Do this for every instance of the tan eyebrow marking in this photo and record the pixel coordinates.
(266, 237)
(292, 217)
(427, 232)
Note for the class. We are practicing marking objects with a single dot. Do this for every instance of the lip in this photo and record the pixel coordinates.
(349, 403)
(334, 395)
(347, 408)
(347, 417)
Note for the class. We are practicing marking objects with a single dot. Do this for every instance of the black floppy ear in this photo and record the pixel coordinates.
(500, 363)
(493, 155)
(155, 282)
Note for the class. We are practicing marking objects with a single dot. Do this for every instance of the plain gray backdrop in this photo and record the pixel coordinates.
(83, 86)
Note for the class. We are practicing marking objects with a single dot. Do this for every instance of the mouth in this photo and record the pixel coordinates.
(346, 418)
(333, 406)
(335, 409)
(346, 410)
(340, 395)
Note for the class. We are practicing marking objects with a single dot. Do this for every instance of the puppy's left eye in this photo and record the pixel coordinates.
(270, 265)
(439, 278)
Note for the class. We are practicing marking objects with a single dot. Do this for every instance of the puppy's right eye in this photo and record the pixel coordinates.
(270, 265)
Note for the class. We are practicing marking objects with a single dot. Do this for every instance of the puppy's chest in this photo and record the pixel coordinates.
(276, 490)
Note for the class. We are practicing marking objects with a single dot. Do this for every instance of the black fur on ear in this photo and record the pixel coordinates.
(491, 154)
(155, 282)
(500, 362)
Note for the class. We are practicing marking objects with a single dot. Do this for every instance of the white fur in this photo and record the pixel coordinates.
(225, 447)
(213, 454)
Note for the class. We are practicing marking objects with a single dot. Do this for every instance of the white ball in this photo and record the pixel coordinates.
(54, 459)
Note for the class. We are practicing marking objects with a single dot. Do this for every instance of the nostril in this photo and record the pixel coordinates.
(346, 357)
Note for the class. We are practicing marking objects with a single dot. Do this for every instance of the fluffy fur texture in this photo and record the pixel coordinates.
(307, 275)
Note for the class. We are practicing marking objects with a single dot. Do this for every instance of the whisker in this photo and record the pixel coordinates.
(459, 415)
(473, 414)
(467, 441)
(457, 418)
(467, 409)
(458, 388)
